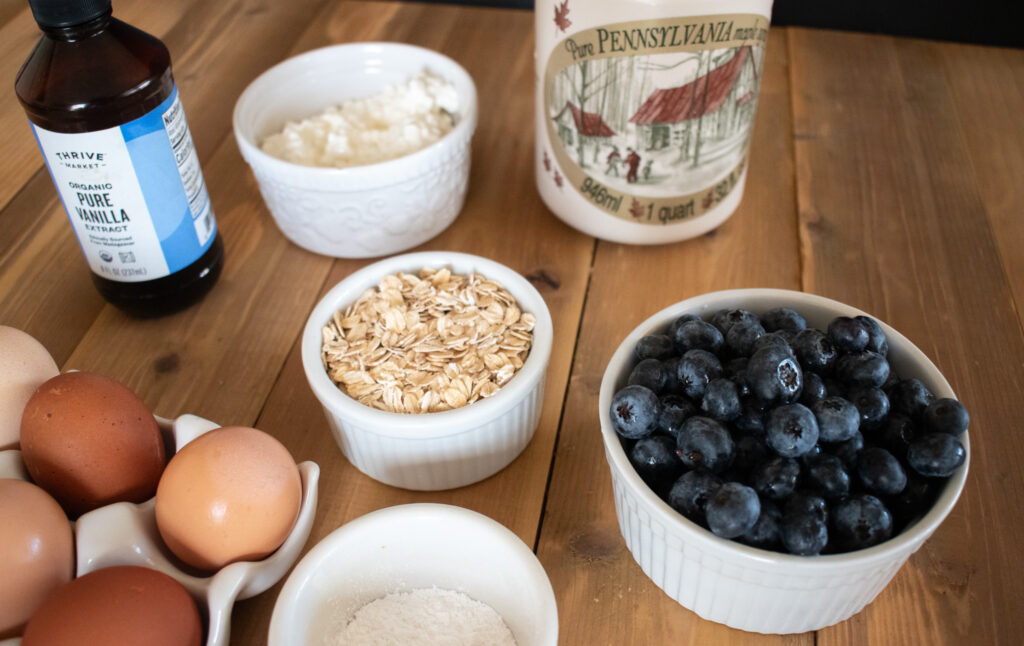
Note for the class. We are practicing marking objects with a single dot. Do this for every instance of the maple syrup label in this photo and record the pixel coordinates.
(650, 120)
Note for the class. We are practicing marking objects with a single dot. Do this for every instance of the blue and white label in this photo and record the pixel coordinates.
(134, 194)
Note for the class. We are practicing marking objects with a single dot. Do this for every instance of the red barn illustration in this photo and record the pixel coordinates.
(711, 107)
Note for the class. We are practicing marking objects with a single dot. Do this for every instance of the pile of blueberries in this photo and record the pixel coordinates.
(785, 437)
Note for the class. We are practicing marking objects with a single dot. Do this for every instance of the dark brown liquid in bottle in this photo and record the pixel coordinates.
(98, 75)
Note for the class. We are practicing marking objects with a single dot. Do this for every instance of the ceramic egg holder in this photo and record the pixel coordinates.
(125, 533)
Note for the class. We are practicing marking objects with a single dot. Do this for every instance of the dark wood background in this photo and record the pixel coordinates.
(990, 22)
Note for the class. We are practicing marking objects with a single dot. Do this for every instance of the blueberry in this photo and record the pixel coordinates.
(675, 409)
(848, 334)
(690, 493)
(910, 397)
(775, 340)
(751, 451)
(946, 416)
(814, 350)
(678, 402)
(880, 472)
(656, 462)
(634, 412)
(673, 329)
(859, 522)
(876, 335)
(835, 387)
(849, 450)
(698, 335)
(721, 400)
(808, 458)
(862, 369)
(837, 418)
(872, 404)
(776, 477)
(765, 532)
(804, 527)
(774, 376)
(736, 368)
(783, 318)
(803, 502)
(695, 371)
(914, 501)
(671, 366)
(827, 475)
(742, 335)
(936, 455)
(725, 319)
(654, 346)
(814, 389)
(732, 510)
(791, 430)
(896, 434)
(751, 419)
(703, 442)
(649, 373)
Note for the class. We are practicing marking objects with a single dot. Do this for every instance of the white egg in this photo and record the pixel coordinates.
(24, 366)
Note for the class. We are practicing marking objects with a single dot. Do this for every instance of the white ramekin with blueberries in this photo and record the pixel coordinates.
(791, 444)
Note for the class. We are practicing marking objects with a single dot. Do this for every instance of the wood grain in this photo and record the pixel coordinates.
(503, 220)
(894, 223)
(884, 172)
(603, 596)
(986, 85)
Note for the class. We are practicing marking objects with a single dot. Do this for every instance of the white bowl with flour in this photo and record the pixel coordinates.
(361, 211)
(415, 557)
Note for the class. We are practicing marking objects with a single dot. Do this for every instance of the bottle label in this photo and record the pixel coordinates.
(650, 120)
(134, 194)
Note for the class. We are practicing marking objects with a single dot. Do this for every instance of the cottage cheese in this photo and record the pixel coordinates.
(399, 120)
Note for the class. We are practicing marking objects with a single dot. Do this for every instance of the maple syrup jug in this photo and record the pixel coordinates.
(645, 111)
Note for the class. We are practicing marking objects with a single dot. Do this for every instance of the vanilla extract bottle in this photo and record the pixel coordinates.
(105, 111)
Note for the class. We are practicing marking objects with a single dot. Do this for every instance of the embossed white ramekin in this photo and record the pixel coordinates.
(433, 451)
(409, 547)
(731, 583)
(362, 211)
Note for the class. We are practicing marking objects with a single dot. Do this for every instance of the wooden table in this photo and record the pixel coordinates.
(887, 173)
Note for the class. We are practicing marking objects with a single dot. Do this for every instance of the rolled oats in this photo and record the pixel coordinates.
(428, 342)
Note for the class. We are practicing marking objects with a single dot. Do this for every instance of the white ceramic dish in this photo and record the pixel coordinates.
(734, 584)
(363, 211)
(126, 534)
(409, 547)
(433, 451)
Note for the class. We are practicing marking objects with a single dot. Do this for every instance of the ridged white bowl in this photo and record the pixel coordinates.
(409, 547)
(361, 211)
(731, 583)
(433, 451)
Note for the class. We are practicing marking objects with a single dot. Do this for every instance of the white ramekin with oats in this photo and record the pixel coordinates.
(430, 367)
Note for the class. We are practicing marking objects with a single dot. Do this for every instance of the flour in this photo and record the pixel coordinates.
(399, 120)
(425, 617)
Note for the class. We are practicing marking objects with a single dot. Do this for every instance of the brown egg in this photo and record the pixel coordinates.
(117, 606)
(90, 441)
(37, 552)
(230, 495)
(24, 365)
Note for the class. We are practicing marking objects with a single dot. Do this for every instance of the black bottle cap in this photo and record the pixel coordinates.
(67, 13)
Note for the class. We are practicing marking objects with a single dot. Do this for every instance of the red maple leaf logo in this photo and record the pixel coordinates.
(547, 161)
(636, 209)
(558, 179)
(561, 16)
